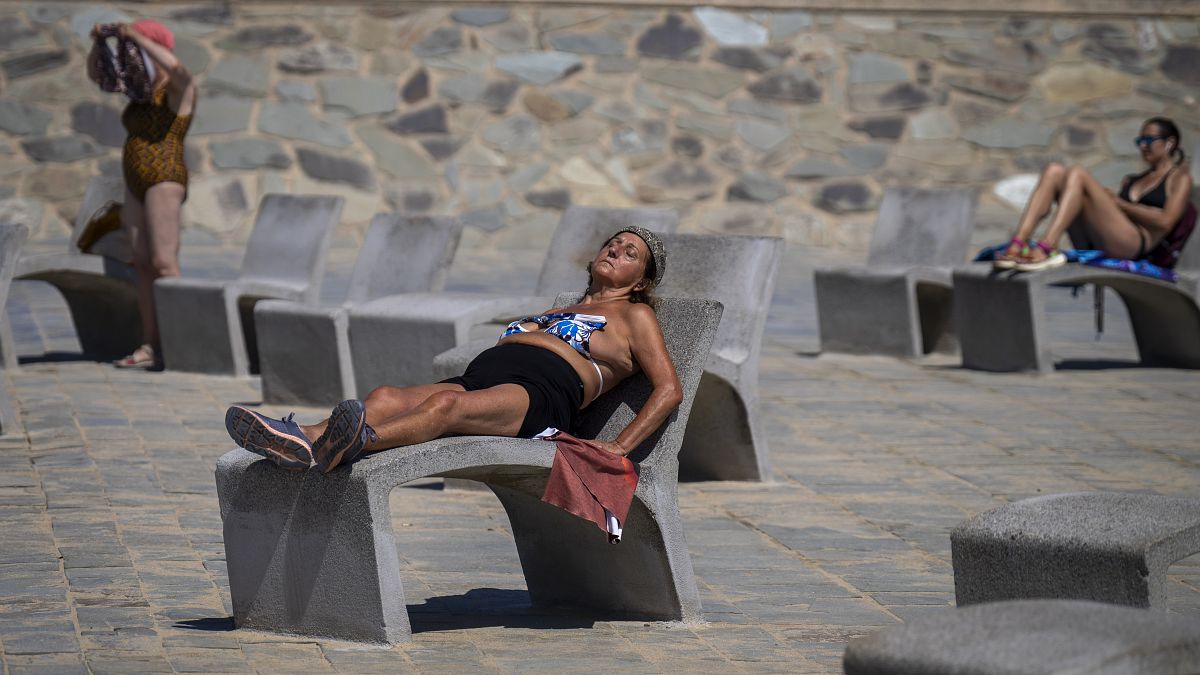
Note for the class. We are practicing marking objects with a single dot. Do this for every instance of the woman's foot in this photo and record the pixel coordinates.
(142, 357)
(345, 436)
(280, 441)
(1012, 255)
(1042, 257)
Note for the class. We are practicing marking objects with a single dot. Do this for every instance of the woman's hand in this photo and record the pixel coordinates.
(610, 446)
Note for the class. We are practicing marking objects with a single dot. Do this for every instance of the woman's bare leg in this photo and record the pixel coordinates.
(1083, 197)
(385, 402)
(133, 218)
(1049, 187)
(495, 411)
(157, 251)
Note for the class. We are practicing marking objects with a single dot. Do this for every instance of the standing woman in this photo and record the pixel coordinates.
(155, 174)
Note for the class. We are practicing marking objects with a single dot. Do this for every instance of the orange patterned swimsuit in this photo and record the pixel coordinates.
(154, 145)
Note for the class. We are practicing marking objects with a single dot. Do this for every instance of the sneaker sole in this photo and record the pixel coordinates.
(248, 429)
(345, 428)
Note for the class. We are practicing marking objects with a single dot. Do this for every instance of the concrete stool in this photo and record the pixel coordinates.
(1031, 637)
(1103, 546)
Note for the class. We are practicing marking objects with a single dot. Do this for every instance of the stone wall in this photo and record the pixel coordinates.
(781, 122)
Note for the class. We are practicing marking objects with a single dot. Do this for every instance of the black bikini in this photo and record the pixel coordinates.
(1156, 197)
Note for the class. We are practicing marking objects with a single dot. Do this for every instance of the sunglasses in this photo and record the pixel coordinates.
(1147, 140)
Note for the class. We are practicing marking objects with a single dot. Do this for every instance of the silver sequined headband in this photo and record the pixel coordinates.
(657, 250)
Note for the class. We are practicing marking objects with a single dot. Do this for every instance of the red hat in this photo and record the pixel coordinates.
(156, 31)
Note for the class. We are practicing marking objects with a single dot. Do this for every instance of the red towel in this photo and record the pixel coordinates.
(591, 483)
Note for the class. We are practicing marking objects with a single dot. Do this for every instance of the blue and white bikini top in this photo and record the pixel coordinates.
(570, 327)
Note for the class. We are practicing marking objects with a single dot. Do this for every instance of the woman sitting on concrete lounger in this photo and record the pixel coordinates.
(1125, 225)
(540, 374)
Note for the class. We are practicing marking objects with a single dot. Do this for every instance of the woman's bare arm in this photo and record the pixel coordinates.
(650, 352)
(179, 79)
(1179, 190)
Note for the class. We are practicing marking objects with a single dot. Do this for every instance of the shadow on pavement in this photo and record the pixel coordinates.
(494, 607)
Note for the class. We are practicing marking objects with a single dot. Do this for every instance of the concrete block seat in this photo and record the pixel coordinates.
(207, 325)
(12, 237)
(393, 340)
(99, 288)
(314, 554)
(1031, 637)
(304, 349)
(724, 440)
(1001, 316)
(1104, 546)
(900, 303)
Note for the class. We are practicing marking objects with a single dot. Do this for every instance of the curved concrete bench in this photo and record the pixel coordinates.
(100, 291)
(12, 238)
(900, 303)
(1001, 316)
(314, 554)
(304, 350)
(1031, 637)
(1103, 546)
(207, 325)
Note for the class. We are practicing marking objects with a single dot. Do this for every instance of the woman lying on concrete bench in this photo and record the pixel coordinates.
(1125, 225)
(540, 374)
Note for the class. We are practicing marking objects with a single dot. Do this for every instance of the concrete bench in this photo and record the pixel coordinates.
(304, 350)
(1103, 546)
(394, 340)
(724, 439)
(900, 303)
(314, 554)
(207, 325)
(1031, 637)
(99, 288)
(12, 237)
(1001, 316)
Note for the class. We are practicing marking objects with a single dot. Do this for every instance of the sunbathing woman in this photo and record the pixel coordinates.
(540, 374)
(1124, 225)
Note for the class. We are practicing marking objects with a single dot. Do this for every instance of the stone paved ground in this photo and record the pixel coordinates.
(110, 542)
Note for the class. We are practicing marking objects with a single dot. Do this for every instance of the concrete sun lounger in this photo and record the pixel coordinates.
(314, 554)
(1031, 637)
(393, 340)
(900, 303)
(724, 440)
(1001, 316)
(304, 350)
(207, 325)
(99, 287)
(1103, 546)
(12, 237)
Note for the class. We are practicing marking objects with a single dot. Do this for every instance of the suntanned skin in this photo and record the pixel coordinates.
(154, 225)
(1108, 221)
(630, 342)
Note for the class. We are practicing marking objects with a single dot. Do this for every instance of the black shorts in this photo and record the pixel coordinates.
(554, 388)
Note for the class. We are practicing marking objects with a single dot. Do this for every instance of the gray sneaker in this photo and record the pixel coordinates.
(344, 436)
(280, 441)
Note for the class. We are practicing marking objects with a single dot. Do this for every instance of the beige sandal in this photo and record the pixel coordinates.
(142, 357)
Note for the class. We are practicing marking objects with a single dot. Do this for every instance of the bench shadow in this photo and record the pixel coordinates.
(209, 624)
(1098, 364)
(57, 357)
(493, 608)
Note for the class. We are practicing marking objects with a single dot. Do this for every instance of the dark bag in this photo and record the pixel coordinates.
(122, 70)
(1166, 254)
(106, 219)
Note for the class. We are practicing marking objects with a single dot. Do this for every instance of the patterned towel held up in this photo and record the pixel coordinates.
(590, 483)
